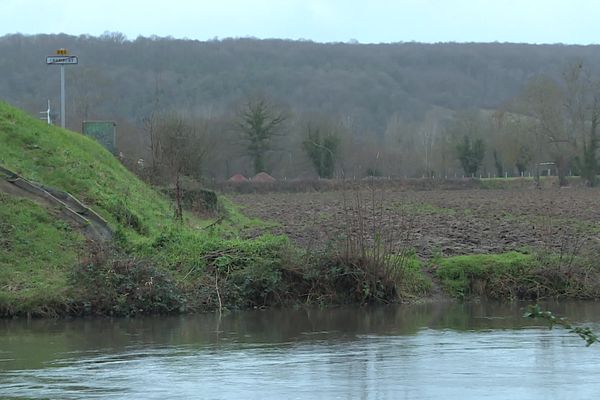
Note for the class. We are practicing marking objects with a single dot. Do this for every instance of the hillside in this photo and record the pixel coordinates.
(47, 267)
(39, 248)
(72, 162)
(155, 263)
(158, 264)
(398, 108)
(367, 85)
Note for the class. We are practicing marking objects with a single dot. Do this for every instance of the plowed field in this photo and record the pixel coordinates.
(446, 222)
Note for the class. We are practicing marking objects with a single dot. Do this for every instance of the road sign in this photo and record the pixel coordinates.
(61, 60)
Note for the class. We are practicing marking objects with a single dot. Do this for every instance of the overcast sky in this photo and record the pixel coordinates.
(369, 21)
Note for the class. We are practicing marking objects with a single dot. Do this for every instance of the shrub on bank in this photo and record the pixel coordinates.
(111, 283)
(517, 276)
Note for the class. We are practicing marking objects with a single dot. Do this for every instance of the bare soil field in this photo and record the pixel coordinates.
(436, 222)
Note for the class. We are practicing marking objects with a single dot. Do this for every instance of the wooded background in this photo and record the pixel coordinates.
(399, 109)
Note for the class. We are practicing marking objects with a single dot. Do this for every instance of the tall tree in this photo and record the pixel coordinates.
(523, 159)
(587, 118)
(470, 154)
(588, 164)
(498, 164)
(322, 151)
(259, 123)
(567, 115)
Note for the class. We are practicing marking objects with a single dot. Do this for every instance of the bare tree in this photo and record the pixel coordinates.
(582, 104)
(544, 99)
(182, 147)
(567, 115)
(429, 133)
(89, 89)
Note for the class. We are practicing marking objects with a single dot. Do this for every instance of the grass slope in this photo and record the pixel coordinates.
(41, 255)
(79, 165)
(37, 252)
(158, 265)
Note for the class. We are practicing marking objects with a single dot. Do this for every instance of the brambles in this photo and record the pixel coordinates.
(112, 283)
(370, 258)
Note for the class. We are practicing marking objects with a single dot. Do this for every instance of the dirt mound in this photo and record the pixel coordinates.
(263, 177)
(238, 178)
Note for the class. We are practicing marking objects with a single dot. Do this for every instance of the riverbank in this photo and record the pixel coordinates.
(503, 244)
(154, 264)
(47, 264)
(348, 251)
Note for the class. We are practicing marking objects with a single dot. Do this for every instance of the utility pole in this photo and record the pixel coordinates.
(63, 119)
(62, 58)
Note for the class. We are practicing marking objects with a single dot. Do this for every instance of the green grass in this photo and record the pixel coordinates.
(79, 165)
(36, 253)
(43, 248)
(524, 276)
(474, 275)
(412, 283)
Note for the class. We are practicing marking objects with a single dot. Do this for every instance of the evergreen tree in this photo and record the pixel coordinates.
(259, 124)
(322, 151)
(470, 154)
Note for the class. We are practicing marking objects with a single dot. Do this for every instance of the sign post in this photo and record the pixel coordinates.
(62, 58)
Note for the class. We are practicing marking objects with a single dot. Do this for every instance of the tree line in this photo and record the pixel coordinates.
(551, 125)
(404, 109)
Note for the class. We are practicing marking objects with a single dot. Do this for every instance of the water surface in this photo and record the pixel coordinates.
(443, 351)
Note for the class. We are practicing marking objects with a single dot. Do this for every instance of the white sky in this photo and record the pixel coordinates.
(371, 21)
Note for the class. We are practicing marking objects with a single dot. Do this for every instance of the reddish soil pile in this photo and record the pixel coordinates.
(263, 177)
(238, 178)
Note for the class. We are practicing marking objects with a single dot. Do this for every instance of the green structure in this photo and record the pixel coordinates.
(105, 132)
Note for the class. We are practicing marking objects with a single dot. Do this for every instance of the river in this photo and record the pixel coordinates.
(428, 351)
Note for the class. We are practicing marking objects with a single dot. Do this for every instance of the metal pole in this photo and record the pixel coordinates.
(62, 96)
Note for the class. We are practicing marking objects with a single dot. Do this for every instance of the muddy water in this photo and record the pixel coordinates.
(481, 351)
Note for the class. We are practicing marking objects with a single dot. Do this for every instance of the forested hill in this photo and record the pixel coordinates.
(365, 84)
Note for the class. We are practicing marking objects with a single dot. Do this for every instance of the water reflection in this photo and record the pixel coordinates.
(423, 351)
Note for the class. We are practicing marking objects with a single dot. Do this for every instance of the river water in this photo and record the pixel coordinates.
(429, 351)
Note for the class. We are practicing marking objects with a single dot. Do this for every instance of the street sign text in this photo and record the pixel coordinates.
(61, 60)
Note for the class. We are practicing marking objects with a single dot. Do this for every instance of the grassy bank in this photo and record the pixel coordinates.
(155, 263)
(158, 265)
(37, 252)
(514, 275)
